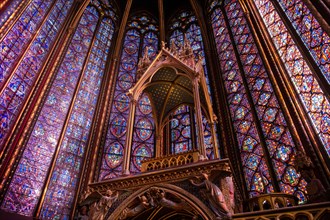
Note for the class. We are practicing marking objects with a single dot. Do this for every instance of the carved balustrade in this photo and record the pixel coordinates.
(316, 211)
(178, 173)
(272, 201)
(170, 161)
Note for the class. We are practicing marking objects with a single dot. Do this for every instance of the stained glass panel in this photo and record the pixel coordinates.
(256, 172)
(195, 37)
(184, 25)
(17, 39)
(151, 41)
(315, 102)
(275, 130)
(116, 135)
(65, 176)
(311, 32)
(181, 133)
(143, 136)
(9, 10)
(182, 20)
(26, 186)
(208, 138)
(22, 79)
(138, 37)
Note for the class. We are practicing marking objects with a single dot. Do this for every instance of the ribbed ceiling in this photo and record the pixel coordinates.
(167, 90)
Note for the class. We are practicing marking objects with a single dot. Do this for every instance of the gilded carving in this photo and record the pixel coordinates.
(170, 161)
(176, 173)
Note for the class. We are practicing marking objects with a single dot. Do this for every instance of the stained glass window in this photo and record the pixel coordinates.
(279, 143)
(141, 33)
(19, 73)
(195, 37)
(70, 159)
(315, 102)
(20, 35)
(207, 137)
(185, 26)
(143, 136)
(144, 128)
(116, 135)
(181, 133)
(311, 32)
(9, 8)
(254, 163)
(74, 91)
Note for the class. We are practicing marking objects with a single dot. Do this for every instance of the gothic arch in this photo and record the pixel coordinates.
(196, 205)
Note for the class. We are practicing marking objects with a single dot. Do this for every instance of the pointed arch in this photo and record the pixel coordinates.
(184, 25)
(196, 205)
(141, 33)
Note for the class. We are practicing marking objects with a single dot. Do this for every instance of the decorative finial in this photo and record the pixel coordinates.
(173, 47)
(163, 45)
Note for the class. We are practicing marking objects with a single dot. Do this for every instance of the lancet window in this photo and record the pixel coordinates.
(266, 146)
(24, 48)
(49, 169)
(141, 36)
(185, 27)
(304, 80)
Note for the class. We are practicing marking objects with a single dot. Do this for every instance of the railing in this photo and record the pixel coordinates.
(272, 201)
(317, 211)
(170, 161)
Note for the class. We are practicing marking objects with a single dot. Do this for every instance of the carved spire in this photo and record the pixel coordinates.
(173, 48)
(188, 51)
(144, 62)
(199, 65)
(163, 44)
(186, 54)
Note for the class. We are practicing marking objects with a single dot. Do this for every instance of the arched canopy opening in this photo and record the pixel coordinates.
(162, 202)
(173, 79)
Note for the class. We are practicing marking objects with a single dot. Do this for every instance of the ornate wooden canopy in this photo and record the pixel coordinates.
(173, 78)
